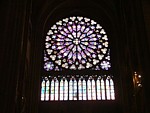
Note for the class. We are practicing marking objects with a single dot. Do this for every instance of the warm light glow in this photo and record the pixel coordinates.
(139, 76)
(137, 80)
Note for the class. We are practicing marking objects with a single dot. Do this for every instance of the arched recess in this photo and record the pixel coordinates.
(102, 13)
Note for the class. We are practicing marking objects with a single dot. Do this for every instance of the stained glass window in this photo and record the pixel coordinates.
(112, 89)
(98, 89)
(75, 90)
(65, 90)
(103, 89)
(80, 45)
(94, 88)
(61, 90)
(43, 90)
(80, 88)
(71, 90)
(107, 89)
(52, 89)
(89, 85)
(56, 89)
(84, 90)
(47, 90)
(76, 43)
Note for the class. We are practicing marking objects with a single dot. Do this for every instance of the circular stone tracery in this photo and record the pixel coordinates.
(76, 43)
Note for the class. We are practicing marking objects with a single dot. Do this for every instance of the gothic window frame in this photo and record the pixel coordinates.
(65, 74)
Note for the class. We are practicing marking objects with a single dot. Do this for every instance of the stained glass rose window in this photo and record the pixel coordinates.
(76, 43)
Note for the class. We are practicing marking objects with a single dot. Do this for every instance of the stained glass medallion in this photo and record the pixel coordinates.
(76, 43)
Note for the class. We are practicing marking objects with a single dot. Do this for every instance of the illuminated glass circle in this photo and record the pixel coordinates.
(76, 43)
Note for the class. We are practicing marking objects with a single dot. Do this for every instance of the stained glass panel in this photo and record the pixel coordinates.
(98, 90)
(75, 90)
(80, 89)
(93, 90)
(112, 89)
(84, 90)
(52, 89)
(47, 90)
(107, 89)
(65, 90)
(89, 84)
(56, 89)
(42, 90)
(61, 89)
(71, 90)
(103, 89)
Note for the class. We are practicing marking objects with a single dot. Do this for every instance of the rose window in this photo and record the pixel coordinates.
(77, 43)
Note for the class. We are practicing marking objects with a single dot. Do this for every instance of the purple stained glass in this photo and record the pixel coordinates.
(76, 42)
(105, 65)
(48, 66)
